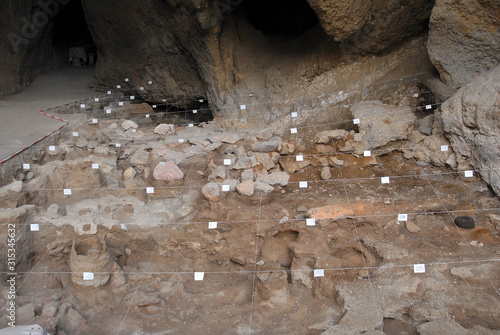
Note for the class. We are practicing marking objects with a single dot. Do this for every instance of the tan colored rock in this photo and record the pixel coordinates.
(412, 228)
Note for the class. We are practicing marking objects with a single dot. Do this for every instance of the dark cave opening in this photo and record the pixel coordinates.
(276, 18)
(71, 37)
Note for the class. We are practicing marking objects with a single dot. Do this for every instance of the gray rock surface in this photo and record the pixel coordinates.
(464, 39)
(471, 123)
(275, 178)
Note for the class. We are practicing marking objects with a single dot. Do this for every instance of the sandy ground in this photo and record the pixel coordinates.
(22, 124)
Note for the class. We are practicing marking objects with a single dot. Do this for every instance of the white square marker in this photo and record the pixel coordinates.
(356, 121)
(141, 88)
(303, 184)
(402, 217)
(95, 166)
(195, 111)
(227, 162)
(415, 95)
(150, 190)
(88, 276)
(310, 222)
(154, 106)
(242, 107)
(126, 80)
(319, 273)
(132, 97)
(444, 148)
(26, 166)
(428, 107)
(147, 116)
(191, 125)
(385, 180)
(198, 276)
(95, 121)
(181, 140)
(75, 134)
(164, 100)
(96, 99)
(124, 226)
(419, 268)
(295, 114)
(109, 92)
(67, 191)
(118, 86)
(162, 163)
(212, 225)
(293, 130)
(52, 148)
(82, 106)
(134, 130)
(34, 227)
(150, 82)
(108, 111)
(120, 103)
(225, 188)
(469, 174)
(299, 158)
(367, 153)
(201, 100)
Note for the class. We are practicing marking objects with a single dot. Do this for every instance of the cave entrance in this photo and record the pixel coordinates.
(71, 39)
(275, 18)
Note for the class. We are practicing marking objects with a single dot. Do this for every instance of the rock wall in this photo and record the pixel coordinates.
(464, 39)
(472, 124)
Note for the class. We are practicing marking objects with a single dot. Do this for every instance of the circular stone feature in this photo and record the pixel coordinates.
(465, 222)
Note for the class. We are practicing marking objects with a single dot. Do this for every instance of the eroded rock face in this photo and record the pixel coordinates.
(472, 124)
(464, 39)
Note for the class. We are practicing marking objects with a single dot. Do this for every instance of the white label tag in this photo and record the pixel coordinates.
(201, 100)
(225, 188)
(141, 88)
(75, 134)
(415, 95)
(385, 180)
(243, 107)
(444, 148)
(295, 114)
(195, 112)
(108, 111)
(212, 225)
(109, 92)
(319, 273)
(402, 217)
(124, 226)
(95, 121)
(419, 268)
(162, 163)
(52, 148)
(198, 276)
(26, 166)
(293, 130)
(132, 97)
(67, 191)
(150, 190)
(191, 125)
(303, 184)
(181, 140)
(118, 145)
(310, 222)
(126, 80)
(428, 107)
(118, 86)
(82, 106)
(299, 158)
(227, 162)
(147, 116)
(154, 106)
(34, 227)
(150, 82)
(356, 121)
(367, 153)
(469, 174)
(95, 166)
(88, 276)
(96, 99)
(120, 103)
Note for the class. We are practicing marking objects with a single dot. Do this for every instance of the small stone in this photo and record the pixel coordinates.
(263, 187)
(265, 160)
(246, 188)
(412, 228)
(287, 148)
(336, 161)
(302, 209)
(275, 178)
(327, 135)
(129, 173)
(92, 144)
(238, 260)
(140, 157)
(168, 171)
(211, 191)
(101, 149)
(247, 175)
(325, 173)
(273, 144)
(53, 210)
(128, 124)
(29, 176)
(81, 143)
(164, 129)
(220, 172)
(465, 222)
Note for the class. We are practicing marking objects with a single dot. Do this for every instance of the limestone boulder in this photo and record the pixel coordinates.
(168, 171)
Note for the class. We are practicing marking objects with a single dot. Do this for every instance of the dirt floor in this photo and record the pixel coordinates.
(268, 268)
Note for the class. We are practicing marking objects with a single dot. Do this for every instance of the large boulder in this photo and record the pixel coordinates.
(472, 124)
(464, 39)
